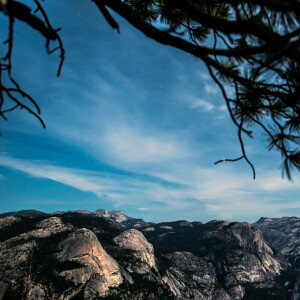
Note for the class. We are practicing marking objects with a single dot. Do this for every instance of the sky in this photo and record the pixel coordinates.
(132, 125)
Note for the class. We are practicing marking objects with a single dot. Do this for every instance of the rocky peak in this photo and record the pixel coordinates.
(185, 223)
(282, 234)
(250, 238)
(114, 215)
(24, 213)
(7, 221)
(123, 221)
(141, 249)
(50, 223)
(246, 235)
(99, 270)
(46, 227)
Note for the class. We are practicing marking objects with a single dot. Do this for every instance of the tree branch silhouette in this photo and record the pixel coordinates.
(250, 47)
(12, 94)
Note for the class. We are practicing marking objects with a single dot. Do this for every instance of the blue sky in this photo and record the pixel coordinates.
(132, 125)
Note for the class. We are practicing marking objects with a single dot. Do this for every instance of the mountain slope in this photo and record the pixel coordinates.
(283, 234)
(85, 255)
(234, 255)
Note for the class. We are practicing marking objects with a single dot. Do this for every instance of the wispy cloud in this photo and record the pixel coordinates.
(81, 180)
(130, 145)
(203, 193)
(204, 76)
(277, 184)
(206, 106)
(211, 89)
(143, 208)
(210, 86)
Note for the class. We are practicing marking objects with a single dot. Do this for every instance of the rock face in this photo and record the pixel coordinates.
(216, 260)
(55, 257)
(250, 239)
(84, 256)
(18, 242)
(190, 277)
(141, 249)
(283, 234)
(99, 270)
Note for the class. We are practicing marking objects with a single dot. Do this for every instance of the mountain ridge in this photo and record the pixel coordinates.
(108, 255)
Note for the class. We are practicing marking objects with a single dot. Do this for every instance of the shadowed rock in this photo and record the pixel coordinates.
(141, 249)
